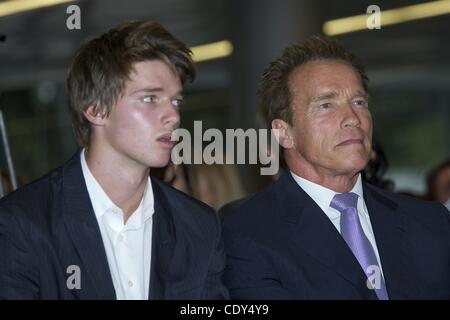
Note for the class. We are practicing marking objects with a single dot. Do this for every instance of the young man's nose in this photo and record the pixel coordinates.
(171, 115)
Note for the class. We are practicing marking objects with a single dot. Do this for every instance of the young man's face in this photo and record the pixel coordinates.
(141, 123)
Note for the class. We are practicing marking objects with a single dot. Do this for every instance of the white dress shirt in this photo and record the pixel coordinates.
(322, 197)
(128, 246)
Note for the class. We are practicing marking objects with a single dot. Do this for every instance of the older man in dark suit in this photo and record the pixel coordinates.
(320, 232)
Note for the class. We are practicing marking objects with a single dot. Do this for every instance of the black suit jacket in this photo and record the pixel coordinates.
(281, 245)
(49, 225)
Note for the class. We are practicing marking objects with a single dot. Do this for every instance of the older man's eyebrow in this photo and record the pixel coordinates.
(324, 96)
(361, 94)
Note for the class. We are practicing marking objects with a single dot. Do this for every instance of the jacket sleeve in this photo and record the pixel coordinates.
(18, 270)
(248, 275)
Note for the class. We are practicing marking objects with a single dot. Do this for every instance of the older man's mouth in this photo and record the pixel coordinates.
(350, 142)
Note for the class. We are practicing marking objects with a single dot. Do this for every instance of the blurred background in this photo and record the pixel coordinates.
(407, 61)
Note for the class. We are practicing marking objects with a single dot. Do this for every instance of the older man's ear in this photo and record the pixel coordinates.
(284, 133)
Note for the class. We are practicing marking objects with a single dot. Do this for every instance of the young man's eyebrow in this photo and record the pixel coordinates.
(152, 90)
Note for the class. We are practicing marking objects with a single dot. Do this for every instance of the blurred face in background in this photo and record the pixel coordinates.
(442, 185)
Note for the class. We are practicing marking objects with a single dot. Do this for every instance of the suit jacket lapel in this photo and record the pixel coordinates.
(391, 235)
(163, 244)
(310, 228)
(83, 229)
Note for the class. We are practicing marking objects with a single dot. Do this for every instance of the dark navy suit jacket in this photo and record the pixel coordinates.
(49, 225)
(281, 245)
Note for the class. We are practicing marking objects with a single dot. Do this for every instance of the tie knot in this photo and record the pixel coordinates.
(343, 201)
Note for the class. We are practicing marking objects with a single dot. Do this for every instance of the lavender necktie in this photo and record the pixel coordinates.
(353, 234)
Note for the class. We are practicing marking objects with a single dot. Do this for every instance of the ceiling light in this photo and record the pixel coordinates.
(388, 17)
(16, 6)
(215, 50)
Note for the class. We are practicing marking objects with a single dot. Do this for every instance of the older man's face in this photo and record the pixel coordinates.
(332, 126)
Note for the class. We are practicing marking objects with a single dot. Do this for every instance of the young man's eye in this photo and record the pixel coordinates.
(177, 102)
(149, 99)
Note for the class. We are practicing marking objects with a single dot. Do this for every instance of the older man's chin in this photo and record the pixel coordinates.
(355, 164)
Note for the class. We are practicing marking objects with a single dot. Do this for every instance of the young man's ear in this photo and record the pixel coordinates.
(94, 116)
(284, 135)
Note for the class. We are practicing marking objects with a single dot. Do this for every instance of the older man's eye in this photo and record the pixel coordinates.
(360, 103)
(325, 105)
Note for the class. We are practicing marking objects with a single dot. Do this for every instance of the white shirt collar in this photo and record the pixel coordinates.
(323, 196)
(101, 202)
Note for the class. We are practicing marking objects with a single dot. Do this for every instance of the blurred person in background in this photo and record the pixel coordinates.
(377, 167)
(7, 183)
(213, 184)
(438, 184)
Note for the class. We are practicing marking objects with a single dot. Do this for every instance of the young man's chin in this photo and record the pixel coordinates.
(160, 163)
